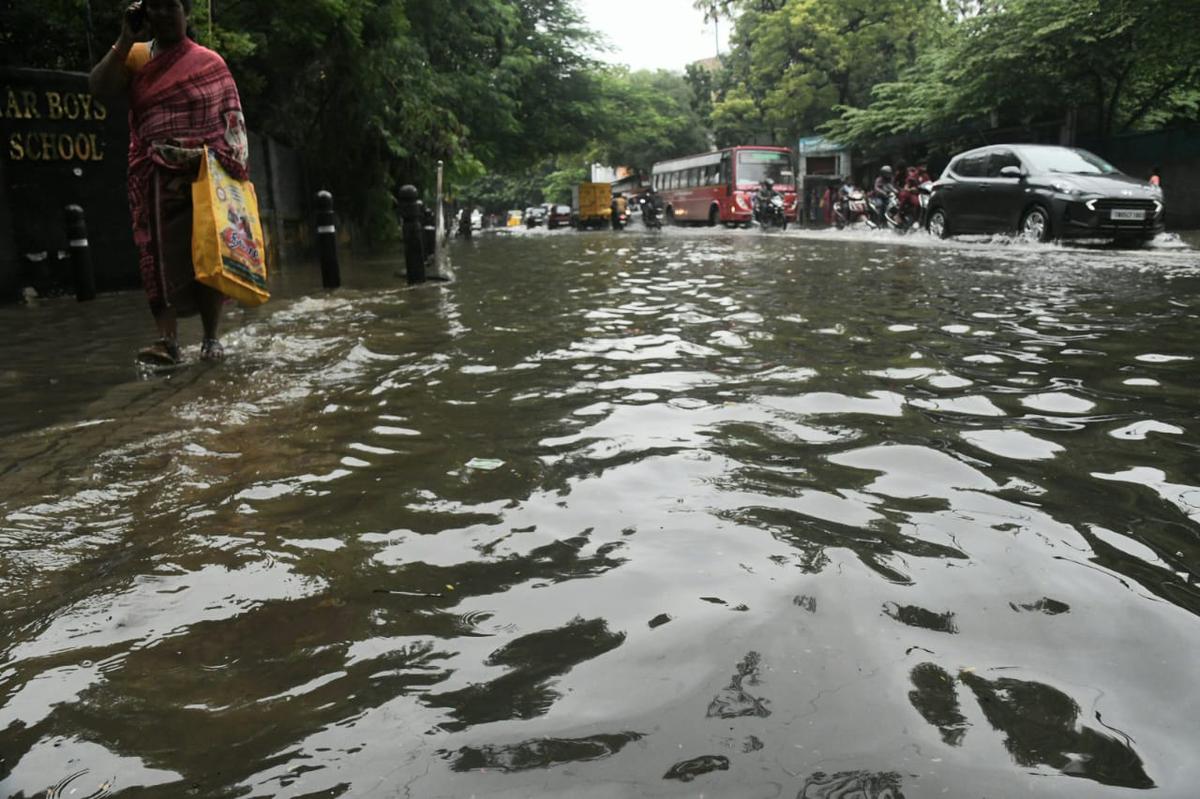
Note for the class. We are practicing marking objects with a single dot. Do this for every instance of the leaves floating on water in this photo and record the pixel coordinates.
(915, 616)
(733, 700)
(688, 770)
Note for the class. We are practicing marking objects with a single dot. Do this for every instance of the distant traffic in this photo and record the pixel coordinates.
(1035, 192)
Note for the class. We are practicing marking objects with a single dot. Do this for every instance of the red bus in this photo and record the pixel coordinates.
(719, 186)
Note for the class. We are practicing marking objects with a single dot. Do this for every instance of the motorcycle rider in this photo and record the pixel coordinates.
(619, 206)
(762, 198)
(884, 189)
(649, 203)
(847, 188)
(910, 194)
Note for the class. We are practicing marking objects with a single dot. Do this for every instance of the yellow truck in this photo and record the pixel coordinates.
(591, 205)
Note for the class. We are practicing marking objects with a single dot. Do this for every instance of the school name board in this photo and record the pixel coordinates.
(61, 146)
(33, 142)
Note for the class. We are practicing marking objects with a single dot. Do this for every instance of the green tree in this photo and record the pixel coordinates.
(1117, 65)
(793, 61)
(374, 92)
(648, 116)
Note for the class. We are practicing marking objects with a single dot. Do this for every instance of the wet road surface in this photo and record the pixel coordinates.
(799, 515)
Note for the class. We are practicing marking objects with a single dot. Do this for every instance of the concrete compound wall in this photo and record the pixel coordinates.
(60, 146)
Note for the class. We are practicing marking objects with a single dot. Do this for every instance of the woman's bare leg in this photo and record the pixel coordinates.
(168, 326)
(211, 303)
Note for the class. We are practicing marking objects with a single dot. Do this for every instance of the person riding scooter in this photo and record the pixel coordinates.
(766, 190)
(762, 199)
(649, 203)
(909, 199)
(882, 193)
(619, 208)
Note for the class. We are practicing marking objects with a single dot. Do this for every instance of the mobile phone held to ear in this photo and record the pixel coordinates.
(135, 17)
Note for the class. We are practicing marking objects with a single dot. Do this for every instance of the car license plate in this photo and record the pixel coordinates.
(1119, 215)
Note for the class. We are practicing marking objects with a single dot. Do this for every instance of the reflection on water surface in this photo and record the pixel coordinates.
(781, 516)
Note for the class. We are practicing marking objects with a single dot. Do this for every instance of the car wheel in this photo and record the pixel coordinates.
(938, 224)
(714, 216)
(1035, 225)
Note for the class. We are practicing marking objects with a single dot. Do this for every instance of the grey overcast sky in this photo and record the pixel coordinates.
(653, 34)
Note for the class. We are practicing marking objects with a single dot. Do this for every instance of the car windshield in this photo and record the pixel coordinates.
(754, 165)
(1066, 161)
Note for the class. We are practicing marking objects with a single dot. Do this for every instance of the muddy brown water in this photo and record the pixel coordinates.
(799, 515)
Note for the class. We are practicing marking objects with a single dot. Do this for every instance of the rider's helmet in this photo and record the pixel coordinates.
(885, 170)
(766, 183)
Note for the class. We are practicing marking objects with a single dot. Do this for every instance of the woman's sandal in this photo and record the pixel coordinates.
(164, 352)
(211, 350)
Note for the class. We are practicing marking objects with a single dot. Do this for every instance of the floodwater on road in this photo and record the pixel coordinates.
(702, 513)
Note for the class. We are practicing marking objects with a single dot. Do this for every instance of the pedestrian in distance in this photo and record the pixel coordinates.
(1156, 176)
(182, 98)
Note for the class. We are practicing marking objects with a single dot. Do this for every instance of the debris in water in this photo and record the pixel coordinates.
(485, 464)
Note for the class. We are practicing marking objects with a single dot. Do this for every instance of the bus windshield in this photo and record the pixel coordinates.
(754, 165)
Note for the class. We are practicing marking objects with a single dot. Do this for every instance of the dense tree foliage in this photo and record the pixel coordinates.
(648, 116)
(1114, 65)
(640, 117)
(792, 61)
(375, 92)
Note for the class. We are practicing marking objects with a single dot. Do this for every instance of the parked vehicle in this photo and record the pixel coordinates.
(514, 218)
(558, 216)
(719, 187)
(591, 205)
(1042, 192)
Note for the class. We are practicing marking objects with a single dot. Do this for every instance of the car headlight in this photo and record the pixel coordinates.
(1065, 188)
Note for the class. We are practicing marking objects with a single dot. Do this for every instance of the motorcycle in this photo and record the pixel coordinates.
(650, 217)
(618, 218)
(905, 209)
(770, 213)
(852, 207)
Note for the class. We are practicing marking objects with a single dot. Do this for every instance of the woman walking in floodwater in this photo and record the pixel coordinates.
(181, 99)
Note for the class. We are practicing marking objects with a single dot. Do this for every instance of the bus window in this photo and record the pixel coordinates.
(754, 166)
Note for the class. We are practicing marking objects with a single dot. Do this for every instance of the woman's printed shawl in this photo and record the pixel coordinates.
(183, 96)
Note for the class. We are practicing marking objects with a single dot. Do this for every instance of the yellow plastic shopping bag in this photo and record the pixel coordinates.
(228, 249)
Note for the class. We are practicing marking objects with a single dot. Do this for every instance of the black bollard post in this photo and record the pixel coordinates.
(414, 250)
(81, 254)
(331, 275)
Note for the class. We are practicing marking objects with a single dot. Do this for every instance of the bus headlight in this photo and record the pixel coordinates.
(741, 201)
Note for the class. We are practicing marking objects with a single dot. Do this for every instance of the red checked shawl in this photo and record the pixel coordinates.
(183, 96)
